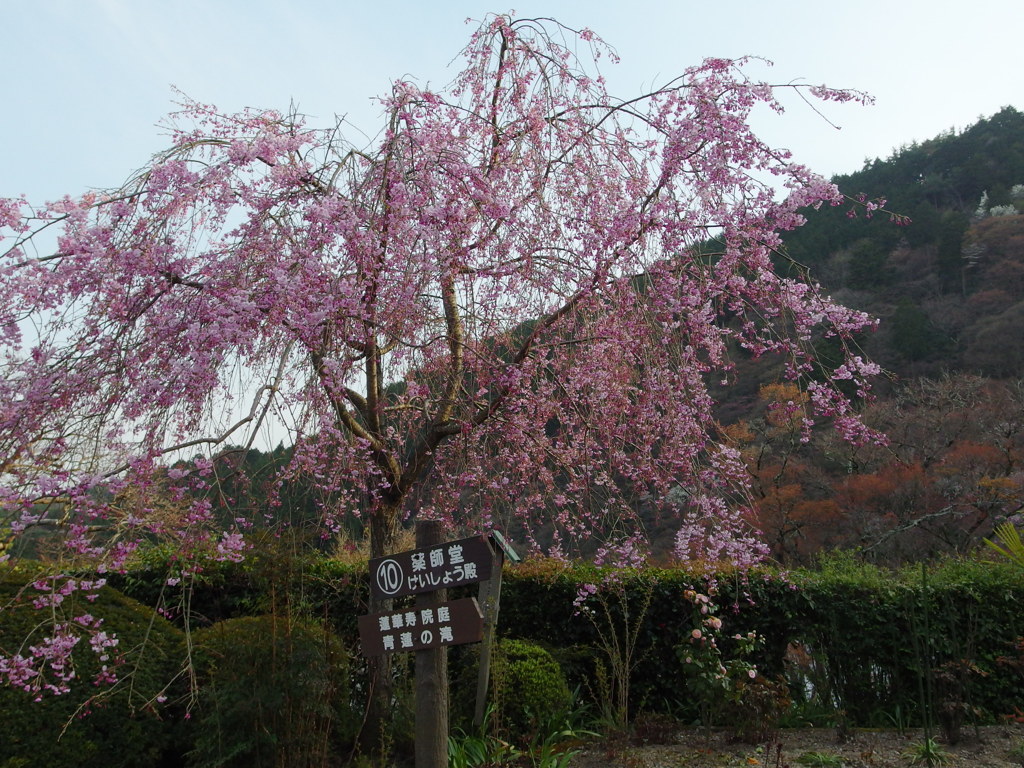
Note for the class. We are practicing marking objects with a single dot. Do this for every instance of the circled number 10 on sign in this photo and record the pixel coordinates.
(390, 577)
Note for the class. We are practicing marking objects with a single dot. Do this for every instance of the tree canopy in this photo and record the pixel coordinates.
(501, 310)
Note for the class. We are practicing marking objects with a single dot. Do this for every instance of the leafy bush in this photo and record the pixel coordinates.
(91, 725)
(757, 708)
(272, 692)
(275, 577)
(527, 690)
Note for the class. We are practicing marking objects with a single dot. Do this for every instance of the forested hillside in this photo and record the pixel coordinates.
(948, 289)
(949, 285)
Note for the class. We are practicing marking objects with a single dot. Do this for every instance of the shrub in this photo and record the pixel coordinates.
(757, 708)
(527, 690)
(529, 687)
(91, 725)
(273, 691)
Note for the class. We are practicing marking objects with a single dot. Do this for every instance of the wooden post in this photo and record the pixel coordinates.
(431, 674)
(490, 597)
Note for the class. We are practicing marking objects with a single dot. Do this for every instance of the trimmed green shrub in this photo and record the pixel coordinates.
(273, 691)
(527, 690)
(273, 578)
(109, 726)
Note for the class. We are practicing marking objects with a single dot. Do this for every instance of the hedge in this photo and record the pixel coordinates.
(853, 640)
(102, 726)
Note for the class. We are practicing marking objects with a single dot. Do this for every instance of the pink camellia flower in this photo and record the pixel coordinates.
(751, 673)
(696, 634)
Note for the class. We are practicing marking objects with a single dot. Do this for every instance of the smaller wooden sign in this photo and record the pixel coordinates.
(414, 629)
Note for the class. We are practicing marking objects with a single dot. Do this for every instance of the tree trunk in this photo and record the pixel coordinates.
(374, 737)
(384, 529)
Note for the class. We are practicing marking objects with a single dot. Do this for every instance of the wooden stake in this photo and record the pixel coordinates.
(490, 596)
(431, 674)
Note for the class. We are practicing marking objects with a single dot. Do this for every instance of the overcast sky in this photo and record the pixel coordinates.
(85, 82)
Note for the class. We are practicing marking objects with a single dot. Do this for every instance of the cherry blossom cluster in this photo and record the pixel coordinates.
(48, 668)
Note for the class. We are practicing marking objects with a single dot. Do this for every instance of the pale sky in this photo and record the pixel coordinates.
(84, 82)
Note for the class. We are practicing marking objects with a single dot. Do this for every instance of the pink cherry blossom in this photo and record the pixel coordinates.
(504, 311)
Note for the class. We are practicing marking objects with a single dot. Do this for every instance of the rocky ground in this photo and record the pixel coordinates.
(991, 747)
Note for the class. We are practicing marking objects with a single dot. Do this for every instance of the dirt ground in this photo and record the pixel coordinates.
(695, 748)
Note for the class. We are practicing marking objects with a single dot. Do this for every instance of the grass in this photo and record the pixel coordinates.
(927, 752)
(1016, 753)
(820, 760)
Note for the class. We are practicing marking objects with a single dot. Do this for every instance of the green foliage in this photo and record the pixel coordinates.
(272, 692)
(949, 172)
(555, 748)
(851, 621)
(927, 752)
(958, 301)
(278, 574)
(817, 759)
(109, 726)
(1012, 547)
(880, 631)
(472, 750)
(528, 685)
(913, 334)
(552, 745)
(527, 690)
(868, 265)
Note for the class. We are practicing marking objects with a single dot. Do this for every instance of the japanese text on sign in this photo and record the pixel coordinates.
(414, 629)
(425, 570)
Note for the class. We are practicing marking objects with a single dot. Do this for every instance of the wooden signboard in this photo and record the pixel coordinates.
(434, 623)
(415, 629)
(443, 566)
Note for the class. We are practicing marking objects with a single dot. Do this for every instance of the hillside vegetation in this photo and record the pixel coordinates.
(949, 285)
(948, 289)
